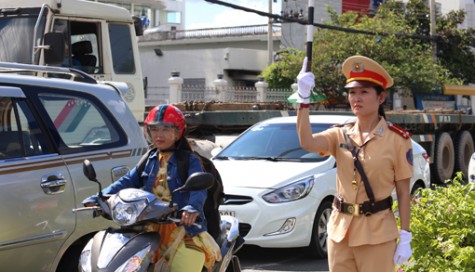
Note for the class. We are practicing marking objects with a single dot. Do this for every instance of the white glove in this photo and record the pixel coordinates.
(403, 249)
(305, 82)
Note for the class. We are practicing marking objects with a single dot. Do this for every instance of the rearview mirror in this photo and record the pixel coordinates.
(197, 181)
(90, 173)
(89, 170)
(55, 54)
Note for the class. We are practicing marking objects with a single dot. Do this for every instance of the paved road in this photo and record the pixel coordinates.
(255, 259)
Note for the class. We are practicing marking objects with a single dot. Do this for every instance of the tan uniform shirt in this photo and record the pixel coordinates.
(386, 158)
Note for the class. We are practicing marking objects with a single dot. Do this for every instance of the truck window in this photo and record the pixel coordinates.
(17, 29)
(81, 45)
(80, 122)
(20, 133)
(122, 50)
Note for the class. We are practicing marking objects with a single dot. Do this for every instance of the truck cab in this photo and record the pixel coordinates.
(99, 39)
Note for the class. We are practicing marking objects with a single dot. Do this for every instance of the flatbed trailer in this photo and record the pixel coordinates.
(447, 135)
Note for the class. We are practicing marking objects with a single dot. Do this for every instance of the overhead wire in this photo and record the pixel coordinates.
(319, 25)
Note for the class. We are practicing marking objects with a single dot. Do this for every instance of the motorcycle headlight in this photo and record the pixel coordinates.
(126, 213)
(291, 192)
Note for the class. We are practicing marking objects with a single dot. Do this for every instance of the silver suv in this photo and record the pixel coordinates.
(48, 126)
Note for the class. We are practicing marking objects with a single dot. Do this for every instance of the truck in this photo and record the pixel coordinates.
(446, 134)
(99, 39)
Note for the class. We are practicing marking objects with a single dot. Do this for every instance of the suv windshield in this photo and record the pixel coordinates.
(272, 142)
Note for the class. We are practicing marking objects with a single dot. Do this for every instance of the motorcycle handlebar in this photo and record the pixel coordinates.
(97, 211)
(86, 209)
(177, 220)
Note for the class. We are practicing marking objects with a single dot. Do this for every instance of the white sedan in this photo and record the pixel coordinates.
(281, 194)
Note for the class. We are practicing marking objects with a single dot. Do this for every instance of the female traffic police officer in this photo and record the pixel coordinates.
(362, 228)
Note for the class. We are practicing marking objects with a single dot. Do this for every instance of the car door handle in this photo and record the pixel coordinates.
(53, 183)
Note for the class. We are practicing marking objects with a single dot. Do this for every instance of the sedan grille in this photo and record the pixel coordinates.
(236, 200)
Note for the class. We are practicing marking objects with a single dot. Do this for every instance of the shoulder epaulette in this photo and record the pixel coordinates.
(399, 130)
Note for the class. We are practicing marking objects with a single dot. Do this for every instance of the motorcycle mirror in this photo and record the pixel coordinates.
(88, 170)
(90, 173)
(197, 181)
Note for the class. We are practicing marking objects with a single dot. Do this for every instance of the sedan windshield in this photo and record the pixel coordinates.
(275, 142)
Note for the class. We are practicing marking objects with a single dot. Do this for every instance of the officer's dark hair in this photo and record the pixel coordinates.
(379, 90)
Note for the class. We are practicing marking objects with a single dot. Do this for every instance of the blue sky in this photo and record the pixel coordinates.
(202, 14)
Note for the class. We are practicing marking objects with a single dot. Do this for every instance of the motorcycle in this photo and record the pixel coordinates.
(130, 247)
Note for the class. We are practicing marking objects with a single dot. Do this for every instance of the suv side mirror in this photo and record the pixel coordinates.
(55, 54)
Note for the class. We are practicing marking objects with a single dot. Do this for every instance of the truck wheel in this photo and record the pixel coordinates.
(444, 156)
(318, 242)
(464, 149)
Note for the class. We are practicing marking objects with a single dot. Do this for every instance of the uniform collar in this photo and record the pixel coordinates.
(378, 131)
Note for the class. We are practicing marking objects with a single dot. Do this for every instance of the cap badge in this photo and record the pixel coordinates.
(358, 67)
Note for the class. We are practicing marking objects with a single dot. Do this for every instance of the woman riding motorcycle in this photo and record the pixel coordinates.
(184, 247)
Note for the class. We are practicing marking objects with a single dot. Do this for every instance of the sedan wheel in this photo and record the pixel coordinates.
(415, 192)
(318, 243)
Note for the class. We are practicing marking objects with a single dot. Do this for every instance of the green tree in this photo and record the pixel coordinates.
(454, 45)
(281, 74)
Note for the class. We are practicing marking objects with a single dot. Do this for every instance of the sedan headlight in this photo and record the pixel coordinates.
(291, 192)
(126, 213)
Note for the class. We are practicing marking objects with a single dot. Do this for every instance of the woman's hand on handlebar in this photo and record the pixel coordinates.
(90, 204)
(188, 218)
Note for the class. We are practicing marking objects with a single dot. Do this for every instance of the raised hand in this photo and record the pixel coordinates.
(305, 82)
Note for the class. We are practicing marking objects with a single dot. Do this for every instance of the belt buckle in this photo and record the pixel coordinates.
(354, 209)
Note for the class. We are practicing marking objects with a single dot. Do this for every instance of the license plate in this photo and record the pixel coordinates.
(230, 213)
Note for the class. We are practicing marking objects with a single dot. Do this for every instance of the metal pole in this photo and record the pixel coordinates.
(311, 4)
(270, 45)
(432, 29)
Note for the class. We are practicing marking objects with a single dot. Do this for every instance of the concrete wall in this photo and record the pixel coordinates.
(237, 58)
(199, 63)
